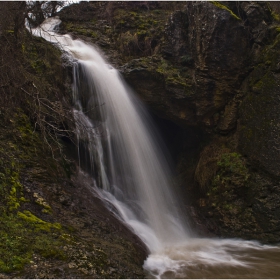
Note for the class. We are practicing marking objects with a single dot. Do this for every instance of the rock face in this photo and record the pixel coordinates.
(208, 64)
(220, 60)
(195, 57)
(208, 70)
(242, 196)
(211, 68)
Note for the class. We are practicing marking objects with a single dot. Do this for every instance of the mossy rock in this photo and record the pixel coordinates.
(42, 212)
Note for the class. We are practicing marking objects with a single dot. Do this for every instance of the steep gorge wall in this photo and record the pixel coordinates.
(212, 69)
(209, 69)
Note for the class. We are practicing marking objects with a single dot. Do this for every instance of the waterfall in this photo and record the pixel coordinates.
(115, 130)
(116, 139)
(130, 164)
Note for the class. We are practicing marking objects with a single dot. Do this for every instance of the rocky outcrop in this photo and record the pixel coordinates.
(220, 60)
(193, 59)
(189, 66)
(212, 69)
(259, 118)
(242, 196)
(202, 67)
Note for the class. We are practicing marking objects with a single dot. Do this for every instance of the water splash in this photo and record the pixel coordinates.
(215, 258)
(117, 140)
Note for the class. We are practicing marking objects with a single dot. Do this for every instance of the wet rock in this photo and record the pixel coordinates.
(213, 66)
(259, 121)
(176, 31)
(228, 118)
(257, 13)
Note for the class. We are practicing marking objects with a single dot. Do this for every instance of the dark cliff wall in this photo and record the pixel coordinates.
(212, 69)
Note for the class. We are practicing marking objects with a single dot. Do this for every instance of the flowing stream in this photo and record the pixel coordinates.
(118, 145)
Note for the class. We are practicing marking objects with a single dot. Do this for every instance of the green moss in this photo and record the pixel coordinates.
(232, 163)
(23, 199)
(231, 179)
(22, 233)
(42, 59)
(144, 26)
(141, 32)
(79, 29)
(19, 242)
(172, 75)
(275, 16)
(11, 182)
(228, 197)
(37, 222)
(221, 6)
(13, 247)
(267, 82)
(31, 52)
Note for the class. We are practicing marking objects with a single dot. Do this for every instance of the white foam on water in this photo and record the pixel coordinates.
(215, 258)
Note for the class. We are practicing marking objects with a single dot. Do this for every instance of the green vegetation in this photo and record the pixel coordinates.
(36, 222)
(175, 76)
(19, 242)
(136, 31)
(15, 191)
(276, 16)
(232, 163)
(221, 6)
(163, 69)
(232, 172)
(23, 233)
(230, 181)
(140, 20)
(80, 29)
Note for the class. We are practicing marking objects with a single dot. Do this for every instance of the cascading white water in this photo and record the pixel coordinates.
(113, 128)
(121, 147)
(136, 174)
